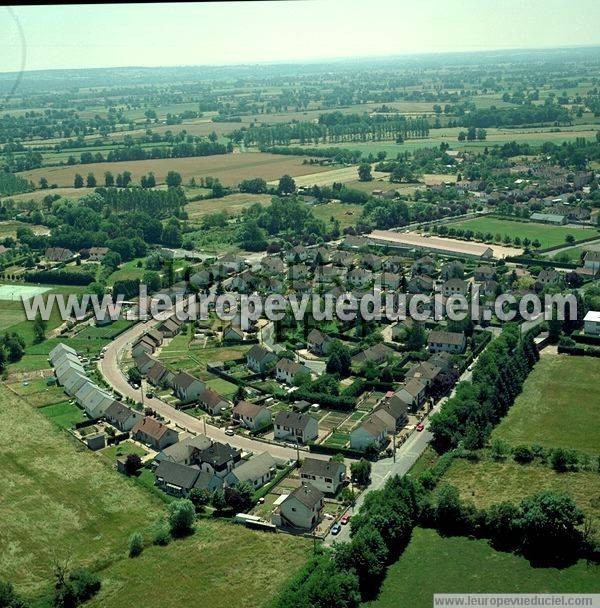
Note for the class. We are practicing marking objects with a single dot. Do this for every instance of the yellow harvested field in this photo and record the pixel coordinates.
(326, 177)
(229, 168)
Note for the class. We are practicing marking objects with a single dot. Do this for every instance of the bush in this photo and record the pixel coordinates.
(162, 537)
(182, 516)
(85, 584)
(522, 454)
(136, 544)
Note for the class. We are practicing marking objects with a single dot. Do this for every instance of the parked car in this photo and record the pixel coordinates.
(229, 432)
(420, 427)
(335, 529)
(345, 519)
(150, 395)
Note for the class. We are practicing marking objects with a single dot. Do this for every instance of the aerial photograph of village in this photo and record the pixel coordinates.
(300, 304)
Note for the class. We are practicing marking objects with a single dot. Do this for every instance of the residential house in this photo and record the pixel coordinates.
(96, 254)
(251, 415)
(420, 284)
(184, 451)
(443, 360)
(160, 376)
(302, 509)
(272, 265)
(297, 254)
(484, 273)
(318, 342)
(59, 350)
(142, 345)
(59, 254)
(393, 264)
(122, 417)
(232, 262)
(424, 371)
(423, 265)
(298, 272)
(453, 287)
(446, 341)
(452, 270)
(245, 282)
(212, 402)
(371, 261)
(396, 409)
(73, 382)
(179, 479)
(257, 471)
(342, 258)
(297, 427)
(232, 333)
(201, 279)
(286, 370)
(154, 433)
(378, 353)
(359, 277)
(259, 358)
(371, 432)
(143, 361)
(218, 459)
(412, 393)
(592, 261)
(187, 387)
(591, 323)
(325, 475)
(549, 276)
(94, 400)
(329, 274)
(390, 280)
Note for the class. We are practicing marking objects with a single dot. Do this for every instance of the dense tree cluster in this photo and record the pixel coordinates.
(498, 377)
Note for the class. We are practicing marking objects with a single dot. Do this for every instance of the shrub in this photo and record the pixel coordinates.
(162, 537)
(136, 544)
(522, 454)
(182, 515)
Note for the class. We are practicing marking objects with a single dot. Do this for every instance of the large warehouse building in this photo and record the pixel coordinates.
(436, 244)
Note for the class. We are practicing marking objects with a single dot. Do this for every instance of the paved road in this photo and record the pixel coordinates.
(111, 371)
(406, 455)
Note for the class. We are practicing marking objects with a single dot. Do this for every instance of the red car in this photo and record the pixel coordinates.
(345, 519)
(420, 427)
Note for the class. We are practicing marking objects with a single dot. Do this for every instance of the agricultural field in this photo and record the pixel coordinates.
(62, 502)
(434, 564)
(573, 254)
(558, 406)
(229, 168)
(9, 228)
(231, 204)
(38, 195)
(489, 482)
(548, 236)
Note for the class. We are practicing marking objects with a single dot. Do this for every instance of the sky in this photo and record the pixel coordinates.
(86, 36)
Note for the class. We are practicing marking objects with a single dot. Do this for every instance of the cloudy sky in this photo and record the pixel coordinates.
(75, 36)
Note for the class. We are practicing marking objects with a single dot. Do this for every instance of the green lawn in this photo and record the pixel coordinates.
(221, 566)
(65, 414)
(559, 406)
(548, 236)
(432, 564)
(345, 213)
(60, 501)
(488, 482)
(112, 452)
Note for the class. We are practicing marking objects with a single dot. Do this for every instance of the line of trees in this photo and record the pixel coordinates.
(498, 377)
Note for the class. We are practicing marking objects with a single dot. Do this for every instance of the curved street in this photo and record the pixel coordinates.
(111, 371)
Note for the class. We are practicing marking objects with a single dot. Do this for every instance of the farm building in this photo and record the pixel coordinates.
(434, 244)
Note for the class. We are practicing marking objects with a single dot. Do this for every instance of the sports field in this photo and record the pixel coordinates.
(433, 564)
(547, 235)
(16, 293)
(229, 168)
(559, 406)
